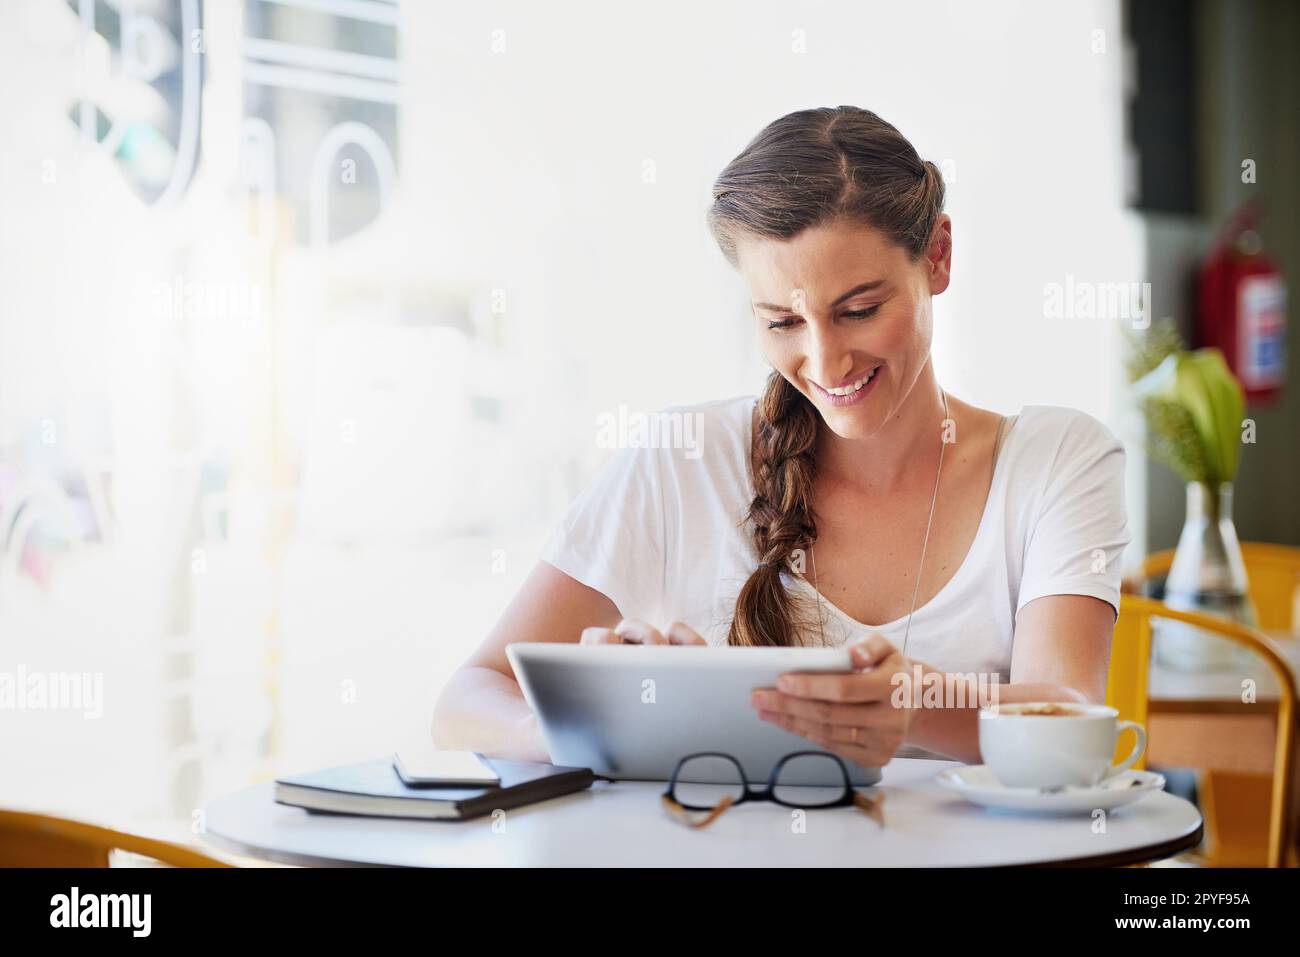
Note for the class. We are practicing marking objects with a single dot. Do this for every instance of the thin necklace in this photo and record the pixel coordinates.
(925, 542)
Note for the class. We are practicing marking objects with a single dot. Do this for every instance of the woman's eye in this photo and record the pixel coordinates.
(789, 321)
(864, 313)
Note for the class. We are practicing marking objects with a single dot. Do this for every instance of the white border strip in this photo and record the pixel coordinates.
(316, 81)
(371, 11)
(340, 61)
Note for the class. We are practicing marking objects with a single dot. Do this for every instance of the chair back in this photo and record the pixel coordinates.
(1127, 692)
(40, 840)
(1272, 573)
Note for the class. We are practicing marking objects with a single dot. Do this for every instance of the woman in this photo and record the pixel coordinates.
(853, 502)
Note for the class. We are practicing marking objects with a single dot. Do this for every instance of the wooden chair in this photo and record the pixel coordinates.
(38, 840)
(1127, 692)
(1232, 800)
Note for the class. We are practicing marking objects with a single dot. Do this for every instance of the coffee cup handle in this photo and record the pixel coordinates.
(1138, 748)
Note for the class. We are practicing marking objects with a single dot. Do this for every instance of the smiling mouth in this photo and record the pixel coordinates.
(855, 386)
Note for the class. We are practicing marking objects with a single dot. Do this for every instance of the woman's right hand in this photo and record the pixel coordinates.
(629, 631)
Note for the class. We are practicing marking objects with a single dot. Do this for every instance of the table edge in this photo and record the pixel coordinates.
(1135, 855)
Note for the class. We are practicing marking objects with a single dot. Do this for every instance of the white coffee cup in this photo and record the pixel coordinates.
(1027, 750)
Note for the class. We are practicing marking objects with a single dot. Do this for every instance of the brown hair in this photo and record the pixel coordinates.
(806, 169)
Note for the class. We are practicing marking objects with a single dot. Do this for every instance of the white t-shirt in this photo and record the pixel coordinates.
(659, 532)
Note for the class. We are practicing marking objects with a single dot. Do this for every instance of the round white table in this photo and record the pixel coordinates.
(623, 824)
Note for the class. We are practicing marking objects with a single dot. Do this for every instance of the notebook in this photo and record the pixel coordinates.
(373, 789)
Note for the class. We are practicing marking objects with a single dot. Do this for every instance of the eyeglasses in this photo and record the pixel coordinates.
(705, 784)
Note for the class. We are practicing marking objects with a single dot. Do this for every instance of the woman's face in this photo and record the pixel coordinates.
(844, 315)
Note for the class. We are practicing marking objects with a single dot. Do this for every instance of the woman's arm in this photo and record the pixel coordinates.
(482, 708)
(1061, 652)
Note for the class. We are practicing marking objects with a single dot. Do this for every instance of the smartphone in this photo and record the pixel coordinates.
(431, 769)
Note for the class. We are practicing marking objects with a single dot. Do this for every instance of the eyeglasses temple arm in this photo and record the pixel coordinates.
(712, 816)
(872, 805)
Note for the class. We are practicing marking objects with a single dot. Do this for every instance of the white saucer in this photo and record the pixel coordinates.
(976, 783)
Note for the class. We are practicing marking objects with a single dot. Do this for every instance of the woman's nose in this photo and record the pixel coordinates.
(829, 359)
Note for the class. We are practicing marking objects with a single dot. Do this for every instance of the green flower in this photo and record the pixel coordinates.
(1193, 405)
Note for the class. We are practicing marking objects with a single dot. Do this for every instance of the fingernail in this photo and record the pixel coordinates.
(785, 683)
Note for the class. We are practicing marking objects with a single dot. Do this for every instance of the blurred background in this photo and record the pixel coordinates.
(309, 309)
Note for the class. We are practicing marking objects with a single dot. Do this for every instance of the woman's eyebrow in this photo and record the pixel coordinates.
(856, 290)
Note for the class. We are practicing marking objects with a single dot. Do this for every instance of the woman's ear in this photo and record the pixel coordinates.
(938, 257)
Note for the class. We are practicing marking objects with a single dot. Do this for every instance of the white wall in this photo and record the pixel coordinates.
(529, 163)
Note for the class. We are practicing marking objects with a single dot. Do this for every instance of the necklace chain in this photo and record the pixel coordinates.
(925, 542)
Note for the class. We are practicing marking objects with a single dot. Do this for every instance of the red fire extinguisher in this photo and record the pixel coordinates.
(1241, 297)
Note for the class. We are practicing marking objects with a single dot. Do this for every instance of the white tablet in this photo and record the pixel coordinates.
(631, 711)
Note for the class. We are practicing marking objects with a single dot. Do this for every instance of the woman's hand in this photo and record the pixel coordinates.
(852, 715)
(629, 631)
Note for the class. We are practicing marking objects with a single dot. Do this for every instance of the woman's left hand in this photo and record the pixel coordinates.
(852, 715)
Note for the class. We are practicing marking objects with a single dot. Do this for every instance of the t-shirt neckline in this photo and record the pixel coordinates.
(999, 472)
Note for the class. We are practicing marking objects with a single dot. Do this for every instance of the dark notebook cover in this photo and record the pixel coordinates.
(373, 788)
